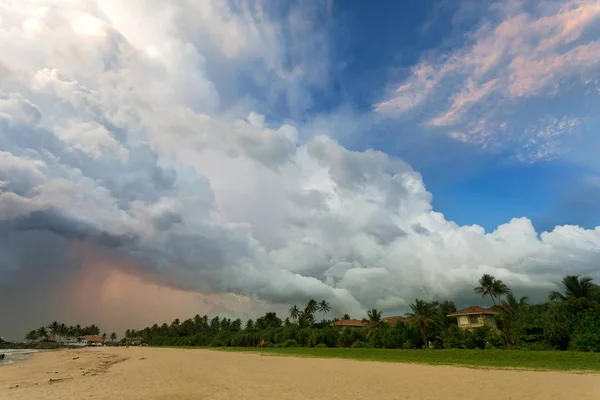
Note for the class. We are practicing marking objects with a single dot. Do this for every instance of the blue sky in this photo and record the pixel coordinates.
(372, 46)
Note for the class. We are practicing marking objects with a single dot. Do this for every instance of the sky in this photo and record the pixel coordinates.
(164, 159)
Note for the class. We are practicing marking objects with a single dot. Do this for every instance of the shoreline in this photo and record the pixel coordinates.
(16, 356)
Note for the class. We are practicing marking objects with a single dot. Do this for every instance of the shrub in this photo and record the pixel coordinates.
(303, 336)
(359, 344)
(289, 343)
(408, 344)
(586, 342)
(349, 336)
(321, 346)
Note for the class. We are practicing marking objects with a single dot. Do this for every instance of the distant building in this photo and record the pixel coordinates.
(348, 323)
(92, 340)
(134, 340)
(474, 317)
(357, 323)
(394, 320)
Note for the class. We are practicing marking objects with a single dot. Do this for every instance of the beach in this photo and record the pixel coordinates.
(164, 373)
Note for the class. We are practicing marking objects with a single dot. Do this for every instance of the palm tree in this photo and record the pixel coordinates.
(324, 308)
(32, 336)
(577, 288)
(490, 286)
(54, 329)
(113, 337)
(346, 316)
(311, 307)
(500, 289)
(373, 321)
(509, 311)
(63, 330)
(305, 320)
(104, 335)
(42, 333)
(422, 316)
(294, 313)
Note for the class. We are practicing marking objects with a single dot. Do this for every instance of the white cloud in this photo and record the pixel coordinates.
(106, 150)
(522, 52)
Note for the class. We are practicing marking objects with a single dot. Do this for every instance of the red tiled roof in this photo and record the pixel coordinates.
(93, 339)
(474, 310)
(394, 320)
(349, 322)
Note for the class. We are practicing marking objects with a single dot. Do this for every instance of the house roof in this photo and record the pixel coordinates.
(474, 310)
(349, 322)
(94, 338)
(394, 320)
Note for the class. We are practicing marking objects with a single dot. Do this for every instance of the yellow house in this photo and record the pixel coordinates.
(474, 317)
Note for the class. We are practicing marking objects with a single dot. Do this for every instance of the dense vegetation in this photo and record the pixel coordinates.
(569, 320)
(59, 332)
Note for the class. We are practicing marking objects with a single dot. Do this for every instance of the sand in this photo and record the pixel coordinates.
(161, 374)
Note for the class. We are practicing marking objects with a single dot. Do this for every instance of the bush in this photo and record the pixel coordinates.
(586, 342)
(407, 345)
(303, 336)
(359, 344)
(483, 337)
(349, 336)
(321, 346)
(290, 343)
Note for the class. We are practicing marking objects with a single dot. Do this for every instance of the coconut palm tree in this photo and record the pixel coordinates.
(324, 308)
(486, 285)
(42, 333)
(510, 309)
(577, 287)
(346, 316)
(113, 337)
(294, 313)
(500, 289)
(32, 336)
(311, 307)
(54, 329)
(490, 286)
(422, 317)
(104, 336)
(373, 321)
(63, 330)
(305, 319)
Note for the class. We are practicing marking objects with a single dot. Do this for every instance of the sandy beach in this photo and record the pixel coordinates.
(161, 374)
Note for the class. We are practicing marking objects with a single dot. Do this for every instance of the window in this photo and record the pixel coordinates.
(463, 321)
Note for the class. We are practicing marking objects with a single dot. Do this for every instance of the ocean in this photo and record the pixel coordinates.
(12, 356)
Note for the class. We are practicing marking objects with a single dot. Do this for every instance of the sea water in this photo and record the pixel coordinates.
(12, 356)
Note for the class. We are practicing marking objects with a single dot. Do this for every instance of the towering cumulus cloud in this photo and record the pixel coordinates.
(122, 148)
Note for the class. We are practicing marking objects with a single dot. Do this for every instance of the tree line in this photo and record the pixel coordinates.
(570, 319)
(61, 332)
